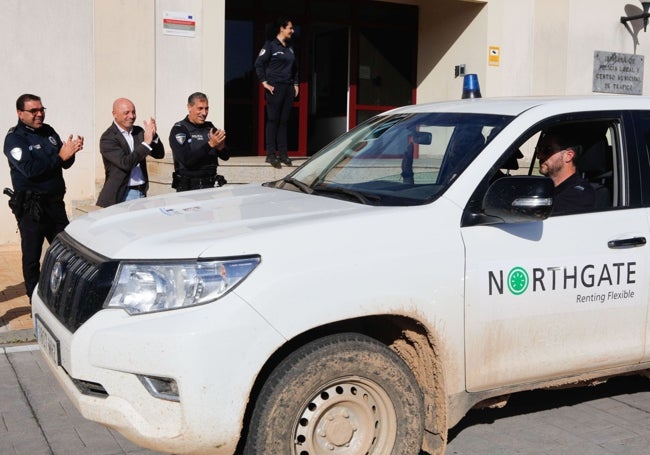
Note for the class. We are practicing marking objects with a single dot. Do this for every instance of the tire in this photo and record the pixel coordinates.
(343, 394)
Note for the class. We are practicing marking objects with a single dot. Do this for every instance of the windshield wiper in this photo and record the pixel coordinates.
(298, 184)
(361, 197)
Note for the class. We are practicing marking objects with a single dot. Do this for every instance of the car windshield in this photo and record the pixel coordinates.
(399, 159)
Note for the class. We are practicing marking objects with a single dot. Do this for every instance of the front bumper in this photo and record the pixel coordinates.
(213, 352)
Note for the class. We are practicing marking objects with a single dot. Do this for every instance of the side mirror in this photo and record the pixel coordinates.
(519, 199)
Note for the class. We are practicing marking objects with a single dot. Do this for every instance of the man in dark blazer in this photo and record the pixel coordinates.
(124, 148)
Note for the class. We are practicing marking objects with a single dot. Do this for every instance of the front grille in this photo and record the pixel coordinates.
(85, 280)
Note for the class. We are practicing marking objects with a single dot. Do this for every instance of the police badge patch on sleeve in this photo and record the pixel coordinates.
(181, 138)
(16, 153)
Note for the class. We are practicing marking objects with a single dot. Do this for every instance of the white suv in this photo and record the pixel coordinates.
(363, 304)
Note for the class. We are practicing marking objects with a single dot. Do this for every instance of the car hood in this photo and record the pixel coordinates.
(187, 224)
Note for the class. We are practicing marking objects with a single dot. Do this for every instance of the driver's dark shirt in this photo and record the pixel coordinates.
(574, 195)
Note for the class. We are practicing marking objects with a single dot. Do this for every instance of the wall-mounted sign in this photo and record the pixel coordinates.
(494, 55)
(615, 72)
(179, 24)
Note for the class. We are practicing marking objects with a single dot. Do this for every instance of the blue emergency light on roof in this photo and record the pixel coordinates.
(470, 86)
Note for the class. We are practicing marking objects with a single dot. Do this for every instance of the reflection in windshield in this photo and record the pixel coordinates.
(400, 159)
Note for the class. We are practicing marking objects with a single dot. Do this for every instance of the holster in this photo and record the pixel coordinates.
(16, 202)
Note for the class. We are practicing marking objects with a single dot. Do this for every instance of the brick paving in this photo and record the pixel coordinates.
(37, 418)
(609, 419)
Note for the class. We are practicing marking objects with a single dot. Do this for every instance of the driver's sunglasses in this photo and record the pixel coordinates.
(36, 110)
(545, 151)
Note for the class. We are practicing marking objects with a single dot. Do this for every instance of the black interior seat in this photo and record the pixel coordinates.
(595, 164)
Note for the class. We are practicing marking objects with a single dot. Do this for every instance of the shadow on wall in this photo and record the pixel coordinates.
(452, 19)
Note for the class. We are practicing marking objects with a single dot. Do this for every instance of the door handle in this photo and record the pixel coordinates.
(627, 243)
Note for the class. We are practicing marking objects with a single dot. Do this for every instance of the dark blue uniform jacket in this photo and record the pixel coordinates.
(34, 160)
(276, 64)
(193, 156)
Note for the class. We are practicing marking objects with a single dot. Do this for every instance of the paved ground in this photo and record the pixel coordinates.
(612, 418)
(36, 418)
(15, 313)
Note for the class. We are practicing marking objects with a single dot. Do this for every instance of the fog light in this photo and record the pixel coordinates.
(163, 388)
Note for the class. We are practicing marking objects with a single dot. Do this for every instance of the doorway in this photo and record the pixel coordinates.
(357, 58)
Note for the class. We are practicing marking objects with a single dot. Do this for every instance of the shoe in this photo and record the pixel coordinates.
(273, 161)
(286, 161)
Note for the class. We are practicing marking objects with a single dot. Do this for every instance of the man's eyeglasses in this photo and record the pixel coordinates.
(36, 110)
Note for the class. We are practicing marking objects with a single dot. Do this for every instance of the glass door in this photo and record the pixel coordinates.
(240, 101)
(328, 84)
(384, 53)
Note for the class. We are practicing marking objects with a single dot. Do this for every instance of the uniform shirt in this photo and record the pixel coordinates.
(34, 160)
(574, 195)
(193, 155)
(276, 64)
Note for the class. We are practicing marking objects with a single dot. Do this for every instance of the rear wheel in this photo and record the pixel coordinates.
(344, 394)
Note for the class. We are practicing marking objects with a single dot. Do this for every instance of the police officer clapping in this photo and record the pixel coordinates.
(37, 157)
(196, 146)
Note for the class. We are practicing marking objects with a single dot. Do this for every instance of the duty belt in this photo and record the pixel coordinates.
(185, 183)
(29, 202)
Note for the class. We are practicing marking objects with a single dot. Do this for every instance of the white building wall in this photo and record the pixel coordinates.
(124, 55)
(546, 46)
(596, 26)
(451, 33)
(47, 50)
(185, 65)
(511, 29)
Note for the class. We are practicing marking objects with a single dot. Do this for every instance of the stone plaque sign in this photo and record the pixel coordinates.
(615, 72)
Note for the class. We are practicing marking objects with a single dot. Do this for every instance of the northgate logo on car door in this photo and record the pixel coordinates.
(586, 282)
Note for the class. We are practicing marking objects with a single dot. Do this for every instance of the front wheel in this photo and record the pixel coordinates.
(344, 394)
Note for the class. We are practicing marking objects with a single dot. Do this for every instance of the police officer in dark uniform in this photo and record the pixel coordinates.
(37, 157)
(277, 70)
(196, 146)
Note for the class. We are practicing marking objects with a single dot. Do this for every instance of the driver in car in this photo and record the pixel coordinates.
(557, 151)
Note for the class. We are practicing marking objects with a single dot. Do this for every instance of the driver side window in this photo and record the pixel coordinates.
(593, 159)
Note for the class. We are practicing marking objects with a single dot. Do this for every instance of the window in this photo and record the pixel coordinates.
(595, 162)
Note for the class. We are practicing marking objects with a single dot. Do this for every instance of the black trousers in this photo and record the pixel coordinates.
(32, 235)
(278, 109)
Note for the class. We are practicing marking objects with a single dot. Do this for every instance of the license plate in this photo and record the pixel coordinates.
(48, 342)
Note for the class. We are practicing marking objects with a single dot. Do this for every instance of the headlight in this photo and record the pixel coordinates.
(145, 287)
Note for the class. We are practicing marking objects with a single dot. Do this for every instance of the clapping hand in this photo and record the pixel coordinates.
(149, 130)
(71, 146)
(217, 139)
